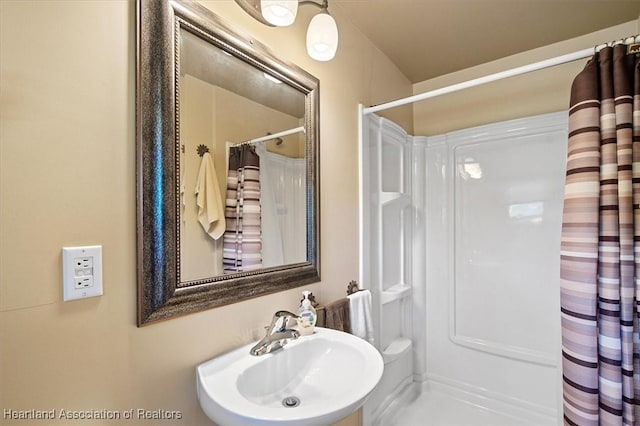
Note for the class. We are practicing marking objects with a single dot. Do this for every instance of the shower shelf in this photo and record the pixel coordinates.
(396, 349)
(387, 197)
(396, 292)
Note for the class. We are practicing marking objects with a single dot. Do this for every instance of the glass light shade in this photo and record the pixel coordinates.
(281, 13)
(322, 37)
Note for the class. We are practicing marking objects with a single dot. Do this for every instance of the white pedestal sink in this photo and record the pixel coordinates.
(313, 380)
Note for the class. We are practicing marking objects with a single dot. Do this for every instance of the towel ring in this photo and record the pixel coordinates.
(352, 287)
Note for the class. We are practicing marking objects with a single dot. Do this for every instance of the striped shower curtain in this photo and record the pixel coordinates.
(600, 252)
(242, 240)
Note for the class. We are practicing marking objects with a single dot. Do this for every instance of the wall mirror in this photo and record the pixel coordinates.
(227, 164)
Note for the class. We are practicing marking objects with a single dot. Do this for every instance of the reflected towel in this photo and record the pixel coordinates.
(337, 315)
(361, 321)
(208, 199)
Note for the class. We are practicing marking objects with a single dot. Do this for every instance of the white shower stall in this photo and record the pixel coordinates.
(460, 244)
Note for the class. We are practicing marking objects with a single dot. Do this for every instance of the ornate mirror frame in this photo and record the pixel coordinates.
(160, 295)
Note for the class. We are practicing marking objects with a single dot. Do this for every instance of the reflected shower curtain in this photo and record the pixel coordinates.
(242, 243)
(600, 252)
(284, 213)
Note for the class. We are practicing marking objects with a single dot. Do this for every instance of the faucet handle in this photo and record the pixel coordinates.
(283, 313)
(280, 324)
(279, 321)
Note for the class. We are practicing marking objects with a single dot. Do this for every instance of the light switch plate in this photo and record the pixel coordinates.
(81, 272)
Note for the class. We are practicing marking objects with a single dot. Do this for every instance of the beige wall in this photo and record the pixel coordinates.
(67, 176)
(242, 119)
(529, 94)
(200, 255)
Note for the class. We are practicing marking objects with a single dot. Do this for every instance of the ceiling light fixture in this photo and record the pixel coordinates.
(322, 36)
(280, 13)
(322, 33)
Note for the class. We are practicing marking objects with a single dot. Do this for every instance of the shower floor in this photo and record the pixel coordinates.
(436, 408)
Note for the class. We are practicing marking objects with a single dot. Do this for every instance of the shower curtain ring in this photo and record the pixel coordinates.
(617, 42)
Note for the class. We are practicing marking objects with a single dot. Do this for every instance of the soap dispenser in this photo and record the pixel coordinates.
(306, 315)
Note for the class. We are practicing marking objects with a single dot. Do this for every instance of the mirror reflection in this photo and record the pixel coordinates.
(242, 204)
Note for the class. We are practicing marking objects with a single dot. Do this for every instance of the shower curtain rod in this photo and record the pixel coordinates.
(581, 54)
(547, 63)
(273, 136)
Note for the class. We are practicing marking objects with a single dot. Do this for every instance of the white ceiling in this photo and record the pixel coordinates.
(428, 38)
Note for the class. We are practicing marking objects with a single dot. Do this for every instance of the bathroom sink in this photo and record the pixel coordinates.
(313, 380)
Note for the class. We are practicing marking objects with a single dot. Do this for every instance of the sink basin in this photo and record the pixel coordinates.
(313, 380)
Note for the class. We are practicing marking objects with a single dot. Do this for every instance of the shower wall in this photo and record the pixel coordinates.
(476, 255)
(493, 207)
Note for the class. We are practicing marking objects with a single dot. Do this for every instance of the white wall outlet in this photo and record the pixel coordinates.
(81, 272)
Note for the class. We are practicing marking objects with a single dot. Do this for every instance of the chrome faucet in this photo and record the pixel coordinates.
(277, 334)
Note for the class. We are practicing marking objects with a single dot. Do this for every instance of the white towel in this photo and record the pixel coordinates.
(208, 200)
(360, 315)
